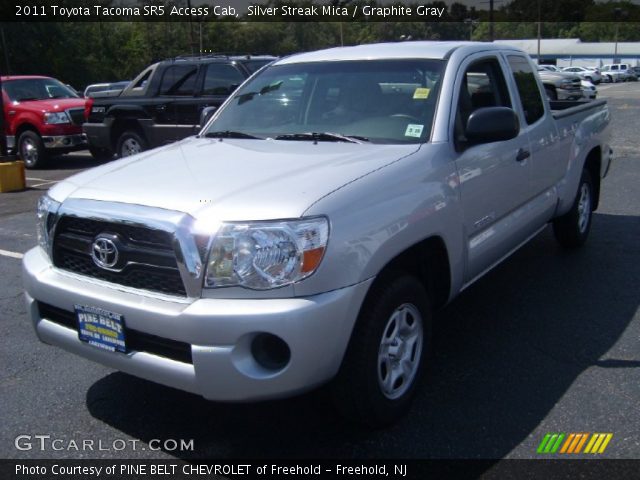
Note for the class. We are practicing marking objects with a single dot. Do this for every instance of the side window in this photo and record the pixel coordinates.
(483, 85)
(221, 79)
(179, 80)
(530, 97)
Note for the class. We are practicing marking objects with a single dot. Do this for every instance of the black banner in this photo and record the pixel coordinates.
(319, 469)
(319, 10)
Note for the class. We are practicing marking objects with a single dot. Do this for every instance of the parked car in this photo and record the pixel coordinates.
(550, 68)
(43, 116)
(590, 74)
(305, 239)
(618, 72)
(105, 89)
(589, 91)
(164, 102)
(561, 85)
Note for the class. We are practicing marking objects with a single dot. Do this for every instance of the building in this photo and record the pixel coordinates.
(566, 52)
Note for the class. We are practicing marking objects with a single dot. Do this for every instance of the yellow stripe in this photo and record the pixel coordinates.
(606, 442)
(574, 443)
(567, 442)
(591, 442)
(584, 439)
(598, 442)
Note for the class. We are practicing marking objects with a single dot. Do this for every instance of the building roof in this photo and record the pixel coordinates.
(573, 47)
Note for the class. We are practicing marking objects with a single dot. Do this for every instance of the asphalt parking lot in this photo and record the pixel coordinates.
(547, 342)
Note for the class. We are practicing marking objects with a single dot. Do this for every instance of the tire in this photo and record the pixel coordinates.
(572, 229)
(130, 143)
(31, 150)
(610, 79)
(589, 79)
(101, 154)
(390, 340)
(551, 93)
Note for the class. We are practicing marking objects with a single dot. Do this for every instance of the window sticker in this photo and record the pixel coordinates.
(413, 130)
(421, 93)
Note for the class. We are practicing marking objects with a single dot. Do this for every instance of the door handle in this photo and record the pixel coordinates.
(522, 155)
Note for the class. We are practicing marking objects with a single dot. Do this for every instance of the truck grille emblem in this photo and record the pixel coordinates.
(104, 252)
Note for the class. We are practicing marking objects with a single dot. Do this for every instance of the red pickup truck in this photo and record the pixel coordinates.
(42, 116)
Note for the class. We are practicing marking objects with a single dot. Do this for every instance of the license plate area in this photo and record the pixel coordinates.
(101, 328)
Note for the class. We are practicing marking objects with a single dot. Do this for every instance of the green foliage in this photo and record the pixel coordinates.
(80, 53)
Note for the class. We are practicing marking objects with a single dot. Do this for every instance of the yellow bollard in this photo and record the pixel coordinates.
(12, 176)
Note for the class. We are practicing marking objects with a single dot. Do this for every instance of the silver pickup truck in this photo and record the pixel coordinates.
(307, 234)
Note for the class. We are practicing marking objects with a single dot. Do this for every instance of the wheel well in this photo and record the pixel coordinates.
(121, 125)
(428, 260)
(23, 128)
(593, 164)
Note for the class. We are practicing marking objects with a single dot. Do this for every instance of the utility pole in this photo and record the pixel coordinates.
(539, 31)
(617, 13)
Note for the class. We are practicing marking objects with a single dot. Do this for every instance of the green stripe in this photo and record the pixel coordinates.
(544, 442)
(558, 442)
(550, 443)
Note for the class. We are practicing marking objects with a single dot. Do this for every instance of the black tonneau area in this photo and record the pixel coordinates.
(565, 108)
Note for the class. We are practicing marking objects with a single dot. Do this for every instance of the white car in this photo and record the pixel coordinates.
(589, 91)
(591, 74)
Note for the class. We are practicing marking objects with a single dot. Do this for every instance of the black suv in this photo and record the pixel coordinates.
(165, 102)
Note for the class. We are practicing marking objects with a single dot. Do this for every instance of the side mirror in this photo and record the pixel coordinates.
(206, 114)
(492, 124)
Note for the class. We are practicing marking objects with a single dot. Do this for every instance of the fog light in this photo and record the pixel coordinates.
(270, 351)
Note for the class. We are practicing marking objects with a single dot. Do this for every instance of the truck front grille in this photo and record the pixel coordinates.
(136, 340)
(76, 115)
(147, 257)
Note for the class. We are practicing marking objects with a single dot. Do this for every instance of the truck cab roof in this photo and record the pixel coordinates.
(421, 49)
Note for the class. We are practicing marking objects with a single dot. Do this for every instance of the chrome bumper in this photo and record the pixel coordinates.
(219, 331)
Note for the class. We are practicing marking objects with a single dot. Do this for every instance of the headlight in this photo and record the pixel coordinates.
(264, 255)
(46, 215)
(56, 117)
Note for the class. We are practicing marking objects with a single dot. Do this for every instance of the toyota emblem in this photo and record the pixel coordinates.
(104, 252)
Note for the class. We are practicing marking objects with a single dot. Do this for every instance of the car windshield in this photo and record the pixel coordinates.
(381, 101)
(36, 89)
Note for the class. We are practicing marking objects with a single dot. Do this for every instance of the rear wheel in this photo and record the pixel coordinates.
(383, 363)
(130, 143)
(572, 229)
(31, 150)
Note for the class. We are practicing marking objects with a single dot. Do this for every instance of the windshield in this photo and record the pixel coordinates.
(36, 89)
(382, 101)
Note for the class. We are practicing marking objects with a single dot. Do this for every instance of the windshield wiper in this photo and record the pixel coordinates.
(230, 134)
(323, 137)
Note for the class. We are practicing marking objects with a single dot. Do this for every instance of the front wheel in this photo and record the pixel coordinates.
(130, 143)
(572, 229)
(101, 154)
(551, 94)
(31, 150)
(383, 363)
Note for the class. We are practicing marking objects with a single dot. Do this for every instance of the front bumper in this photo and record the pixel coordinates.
(52, 142)
(569, 94)
(219, 331)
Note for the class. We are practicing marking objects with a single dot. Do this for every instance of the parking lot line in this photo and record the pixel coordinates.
(7, 253)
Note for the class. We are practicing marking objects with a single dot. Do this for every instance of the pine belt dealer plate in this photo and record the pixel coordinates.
(101, 328)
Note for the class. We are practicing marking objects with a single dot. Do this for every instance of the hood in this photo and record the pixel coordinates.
(232, 179)
(53, 104)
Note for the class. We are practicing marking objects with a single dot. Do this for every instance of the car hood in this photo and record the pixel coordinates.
(53, 104)
(232, 179)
